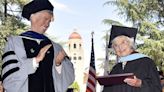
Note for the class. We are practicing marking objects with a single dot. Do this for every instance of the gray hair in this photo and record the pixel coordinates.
(51, 12)
(129, 40)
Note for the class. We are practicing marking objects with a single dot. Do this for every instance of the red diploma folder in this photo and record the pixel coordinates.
(114, 79)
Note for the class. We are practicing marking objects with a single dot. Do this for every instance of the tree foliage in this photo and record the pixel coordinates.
(75, 86)
(137, 11)
(10, 20)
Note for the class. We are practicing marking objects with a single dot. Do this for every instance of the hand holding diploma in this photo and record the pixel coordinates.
(133, 82)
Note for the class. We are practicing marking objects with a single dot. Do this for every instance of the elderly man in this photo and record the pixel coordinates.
(146, 78)
(32, 62)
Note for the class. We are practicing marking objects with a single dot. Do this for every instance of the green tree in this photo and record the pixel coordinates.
(137, 11)
(75, 86)
(10, 20)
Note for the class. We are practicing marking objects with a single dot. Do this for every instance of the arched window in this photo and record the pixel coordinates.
(74, 46)
(79, 58)
(69, 46)
(74, 58)
(80, 46)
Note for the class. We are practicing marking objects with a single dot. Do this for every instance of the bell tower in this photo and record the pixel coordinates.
(76, 53)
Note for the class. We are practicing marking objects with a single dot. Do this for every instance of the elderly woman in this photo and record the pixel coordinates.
(146, 77)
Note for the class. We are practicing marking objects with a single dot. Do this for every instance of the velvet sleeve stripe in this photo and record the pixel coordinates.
(8, 53)
(9, 72)
(9, 62)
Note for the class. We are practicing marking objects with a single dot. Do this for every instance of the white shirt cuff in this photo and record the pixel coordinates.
(35, 64)
(58, 68)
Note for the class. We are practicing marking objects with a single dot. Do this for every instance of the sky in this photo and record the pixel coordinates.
(85, 16)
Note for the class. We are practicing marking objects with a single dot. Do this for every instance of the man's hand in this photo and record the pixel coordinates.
(59, 58)
(42, 53)
(1, 87)
(133, 82)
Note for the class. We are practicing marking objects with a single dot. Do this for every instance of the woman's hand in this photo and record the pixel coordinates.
(133, 82)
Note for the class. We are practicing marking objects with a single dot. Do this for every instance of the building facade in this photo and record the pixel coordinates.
(75, 51)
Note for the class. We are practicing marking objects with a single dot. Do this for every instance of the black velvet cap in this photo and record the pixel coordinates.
(36, 6)
(120, 30)
(70, 90)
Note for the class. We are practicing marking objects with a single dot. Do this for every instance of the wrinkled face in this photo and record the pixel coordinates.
(122, 47)
(40, 21)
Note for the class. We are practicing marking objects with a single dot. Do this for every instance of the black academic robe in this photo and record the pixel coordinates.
(144, 69)
(42, 79)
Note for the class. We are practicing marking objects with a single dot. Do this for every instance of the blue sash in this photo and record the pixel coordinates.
(33, 34)
(131, 57)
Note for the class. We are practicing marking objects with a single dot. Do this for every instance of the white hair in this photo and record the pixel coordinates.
(50, 12)
(129, 40)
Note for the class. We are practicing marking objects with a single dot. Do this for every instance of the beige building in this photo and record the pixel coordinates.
(75, 51)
